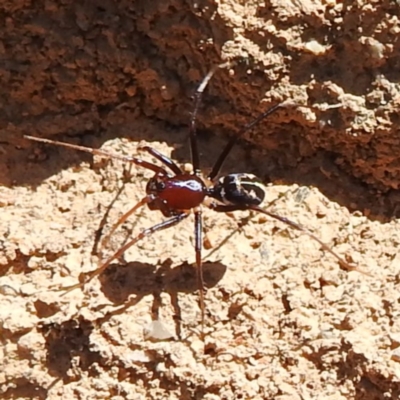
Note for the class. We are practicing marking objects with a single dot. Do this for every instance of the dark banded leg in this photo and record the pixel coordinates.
(146, 232)
(225, 152)
(198, 228)
(161, 157)
(293, 225)
(192, 129)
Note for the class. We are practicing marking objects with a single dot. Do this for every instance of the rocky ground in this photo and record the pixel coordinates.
(283, 319)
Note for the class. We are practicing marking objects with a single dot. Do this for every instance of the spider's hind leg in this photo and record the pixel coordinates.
(344, 264)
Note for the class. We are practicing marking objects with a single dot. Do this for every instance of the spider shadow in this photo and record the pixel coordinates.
(120, 282)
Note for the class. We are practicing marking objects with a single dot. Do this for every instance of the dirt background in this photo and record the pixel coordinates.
(283, 320)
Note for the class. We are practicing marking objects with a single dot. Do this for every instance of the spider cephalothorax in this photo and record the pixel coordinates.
(175, 194)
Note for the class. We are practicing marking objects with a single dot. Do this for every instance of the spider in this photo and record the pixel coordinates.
(176, 193)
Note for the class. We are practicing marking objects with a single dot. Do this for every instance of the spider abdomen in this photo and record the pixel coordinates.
(238, 189)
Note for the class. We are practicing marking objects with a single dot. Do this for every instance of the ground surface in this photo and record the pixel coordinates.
(283, 320)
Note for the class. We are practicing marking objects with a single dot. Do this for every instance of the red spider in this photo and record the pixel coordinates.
(176, 193)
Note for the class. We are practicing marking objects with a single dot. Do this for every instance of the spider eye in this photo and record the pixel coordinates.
(155, 185)
(160, 186)
(239, 189)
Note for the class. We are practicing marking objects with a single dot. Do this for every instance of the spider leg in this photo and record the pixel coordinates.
(145, 164)
(293, 225)
(146, 232)
(198, 227)
(164, 159)
(99, 230)
(192, 130)
(225, 152)
(141, 203)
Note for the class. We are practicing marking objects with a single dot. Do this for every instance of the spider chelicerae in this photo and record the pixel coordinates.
(176, 193)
